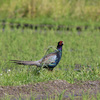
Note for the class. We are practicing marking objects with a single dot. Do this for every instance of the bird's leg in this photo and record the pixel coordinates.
(50, 69)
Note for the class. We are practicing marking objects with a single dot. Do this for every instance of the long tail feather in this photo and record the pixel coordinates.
(37, 63)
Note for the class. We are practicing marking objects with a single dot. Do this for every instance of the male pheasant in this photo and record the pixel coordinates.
(49, 61)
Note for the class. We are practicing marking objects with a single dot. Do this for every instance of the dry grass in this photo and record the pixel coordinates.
(70, 9)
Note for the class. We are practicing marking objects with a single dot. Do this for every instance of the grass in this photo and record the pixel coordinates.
(50, 11)
(30, 45)
(50, 21)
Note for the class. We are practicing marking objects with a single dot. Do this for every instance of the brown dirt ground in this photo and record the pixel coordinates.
(50, 88)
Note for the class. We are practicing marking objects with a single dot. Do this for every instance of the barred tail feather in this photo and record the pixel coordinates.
(37, 63)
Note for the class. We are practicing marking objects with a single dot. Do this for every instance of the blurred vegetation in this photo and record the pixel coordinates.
(84, 10)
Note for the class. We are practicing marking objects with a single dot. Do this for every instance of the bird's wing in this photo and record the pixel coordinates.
(49, 59)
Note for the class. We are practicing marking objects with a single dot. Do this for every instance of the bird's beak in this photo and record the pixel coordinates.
(63, 43)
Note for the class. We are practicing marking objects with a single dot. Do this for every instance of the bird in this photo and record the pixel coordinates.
(49, 61)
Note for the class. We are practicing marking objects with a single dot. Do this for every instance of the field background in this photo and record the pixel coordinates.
(66, 12)
(81, 51)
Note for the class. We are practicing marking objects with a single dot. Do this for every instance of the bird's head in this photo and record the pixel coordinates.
(60, 43)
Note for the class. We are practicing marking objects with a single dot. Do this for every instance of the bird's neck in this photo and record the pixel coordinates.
(59, 48)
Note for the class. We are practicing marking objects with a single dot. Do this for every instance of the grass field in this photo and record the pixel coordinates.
(79, 50)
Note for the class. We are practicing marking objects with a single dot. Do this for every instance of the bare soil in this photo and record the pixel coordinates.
(50, 89)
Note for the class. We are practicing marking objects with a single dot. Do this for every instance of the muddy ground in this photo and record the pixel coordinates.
(50, 89)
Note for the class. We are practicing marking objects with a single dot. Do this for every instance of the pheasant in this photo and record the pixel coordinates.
(49, 61)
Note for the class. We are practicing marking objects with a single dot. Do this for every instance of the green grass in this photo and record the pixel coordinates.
(29, 45)
(50, 21)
